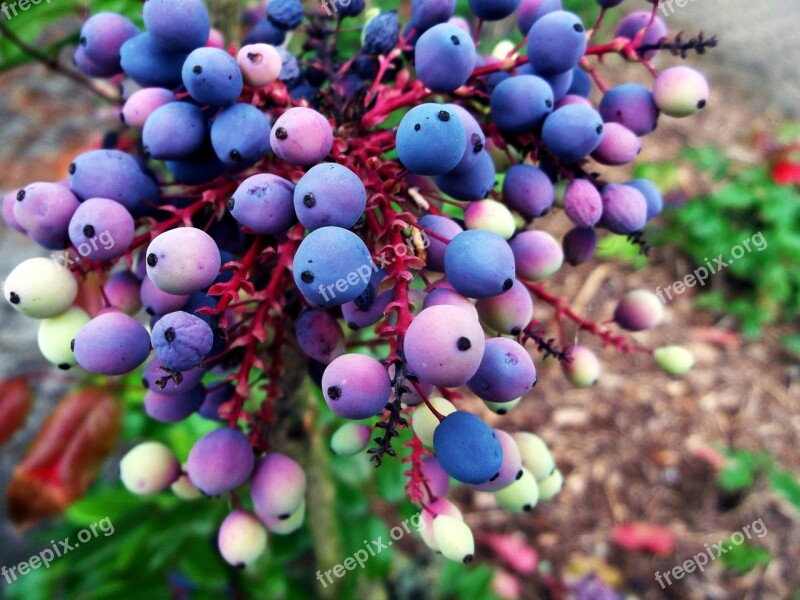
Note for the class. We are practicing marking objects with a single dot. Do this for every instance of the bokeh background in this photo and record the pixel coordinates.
(695, 459)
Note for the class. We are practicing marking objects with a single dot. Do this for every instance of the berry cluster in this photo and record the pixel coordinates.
(253, 192)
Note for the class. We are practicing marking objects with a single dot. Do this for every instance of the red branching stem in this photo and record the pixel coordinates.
(564, 311)
(426, 400)
(417, 486)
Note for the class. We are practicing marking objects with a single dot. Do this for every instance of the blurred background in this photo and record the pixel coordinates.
(654, 467)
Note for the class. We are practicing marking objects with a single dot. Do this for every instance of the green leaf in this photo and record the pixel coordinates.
(739, 472)
(786, 484)
(109, 502)
(743, 558)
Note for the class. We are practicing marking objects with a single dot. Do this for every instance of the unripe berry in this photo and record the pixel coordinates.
(350, 439)
(550, 486)
(184, 489)
(454, 538)
(278, 486)
(536, 456)
(149, 468)
(502, 408)
(56, 335)
(581, 368)
(680, 91)
(242, 538)
(675, 360)
(490, 215)
(639, 310)
(425, 422)
(521, 496)
(288, 525)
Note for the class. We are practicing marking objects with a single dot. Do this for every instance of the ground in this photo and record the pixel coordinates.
(630, 447)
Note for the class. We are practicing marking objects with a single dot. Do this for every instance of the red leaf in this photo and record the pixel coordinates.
(644, 537)
(66, 455)
(16, 399)
(514, 551)
(786, 172)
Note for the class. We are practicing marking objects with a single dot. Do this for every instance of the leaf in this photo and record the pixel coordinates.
(644, 537)
(744, 557)
(66, 455)
(16, 399)
(739, 472)
(786, 484)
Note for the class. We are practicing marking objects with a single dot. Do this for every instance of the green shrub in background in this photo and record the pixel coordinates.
(760, 287)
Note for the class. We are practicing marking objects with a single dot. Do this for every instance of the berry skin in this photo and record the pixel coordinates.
(582, 203)
(319, 336)
(240, 135)
(101, 38)
(301, 136)
(680, 91)
(536, 456)
(632, 106)
(114, 175)
(506, 372)
(220, 461)
(425, 422)
(329, 194)
(619, 145)
(639, 310)
(183, 260)
(652, 195)
(444, 345)
(175, 407)
(437, 478)
(381, 33)
(177, 25)
(634, 22)
(430, 140)
(479, 264)
(277, 486)
(531, 11)
(502, 408)
(528, 190)
(56, 334)
(350, 439)
(181, 341)
(476, 139)
(444, 57)
(675, 360)
(123, 290)
(510, 312)
(490, 215)
(356, 386)
(467, 448)
(537, 255)
(157, 303)
(264, 204)
(493, 10)
(579, 245)
(582, 367)
(509, 470)
(439, 507)
(242, 539)
(184, 489)
(44, 210)
(149, 468)
(441, 227)
(101, 229)
(212, 77)
(40, 288)
(286, 525)
(285, 14)
(141, 104)
(624, 209)
(573, 132)
(521, 496)
(550, 486)
(174, 131)
(454, 538)
(332, 266)
(556, 42)
(260, 64)
(149, 64)
(111, 344)
(520, 104)
(474, 183)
